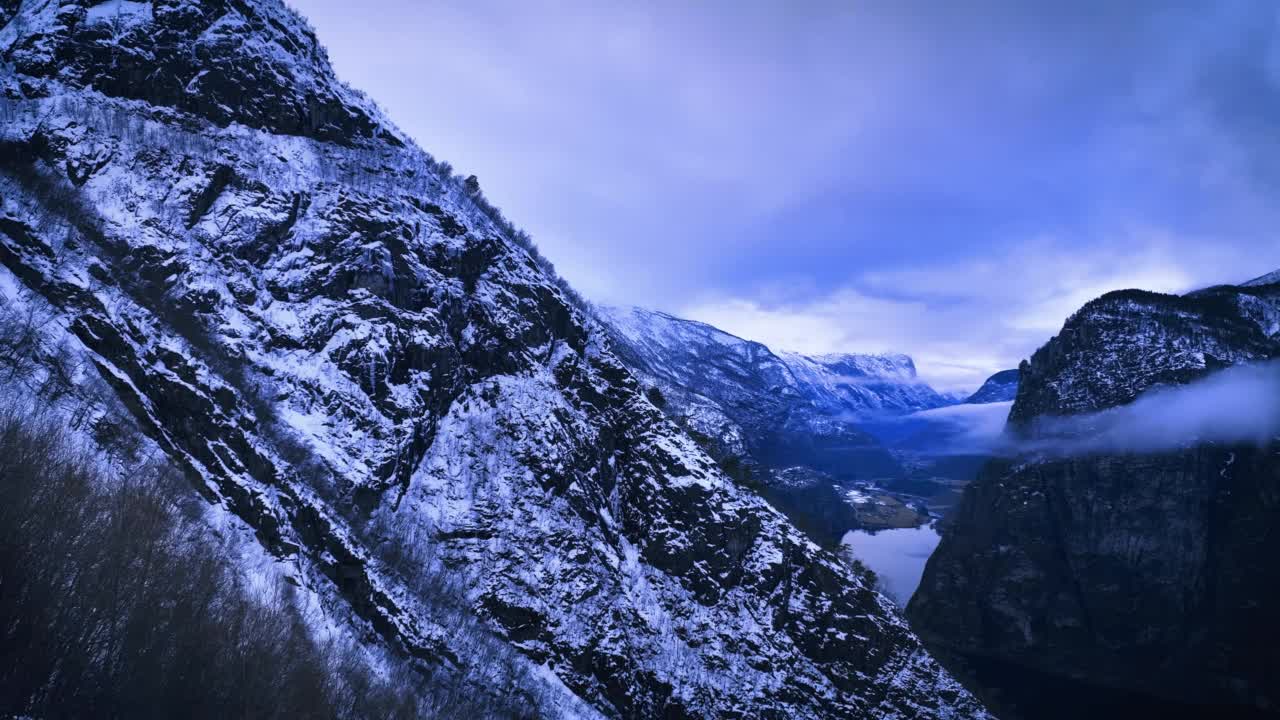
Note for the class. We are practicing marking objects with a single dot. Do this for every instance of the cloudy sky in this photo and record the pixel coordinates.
(949, 178)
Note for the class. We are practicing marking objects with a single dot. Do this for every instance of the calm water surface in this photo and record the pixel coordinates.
(897, 556)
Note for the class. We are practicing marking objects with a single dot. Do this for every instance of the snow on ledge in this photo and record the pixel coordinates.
(122, 11)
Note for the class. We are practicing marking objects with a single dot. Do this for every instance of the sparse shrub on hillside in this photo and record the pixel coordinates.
(471, 187)
(115, 601)
(106, 545)
(859, 568)
(111, 608)
(654, 393)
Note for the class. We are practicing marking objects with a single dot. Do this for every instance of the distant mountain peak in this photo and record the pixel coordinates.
(835, 383)
(1000, 387)
(898, 366)
(634, 321)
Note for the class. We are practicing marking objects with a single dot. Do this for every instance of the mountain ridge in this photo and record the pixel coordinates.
(1000, 387)
(830, 381)
(1267, 279)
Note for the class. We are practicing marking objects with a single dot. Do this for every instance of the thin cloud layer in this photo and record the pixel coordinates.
(1238, 405)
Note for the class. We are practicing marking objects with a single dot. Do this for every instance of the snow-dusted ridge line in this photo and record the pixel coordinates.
(835, 383)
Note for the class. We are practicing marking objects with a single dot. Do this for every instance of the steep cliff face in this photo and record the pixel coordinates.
(360, 359)
(228, 61)
(732, 391)
(1148, 574)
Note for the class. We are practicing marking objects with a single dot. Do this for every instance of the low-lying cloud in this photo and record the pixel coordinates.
(1238, 405)
(976, 429)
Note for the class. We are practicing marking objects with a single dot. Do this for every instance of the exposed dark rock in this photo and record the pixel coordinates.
(223, 60)
(1115, 577)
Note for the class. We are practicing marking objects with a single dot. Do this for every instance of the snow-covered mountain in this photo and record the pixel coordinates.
(352, 353)
(718, 365)
(1124, 576)
(776, 410)
(861, 385)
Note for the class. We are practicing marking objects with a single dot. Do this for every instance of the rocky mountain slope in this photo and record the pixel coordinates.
(349, 350)
(778, 409)
(1106, 580)
(762, 413)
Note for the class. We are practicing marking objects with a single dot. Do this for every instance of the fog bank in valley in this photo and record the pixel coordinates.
(1238, 405)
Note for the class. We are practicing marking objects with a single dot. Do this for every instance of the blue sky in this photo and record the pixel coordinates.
(946, 179)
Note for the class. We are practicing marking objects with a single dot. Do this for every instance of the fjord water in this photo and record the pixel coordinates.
(896, 556)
